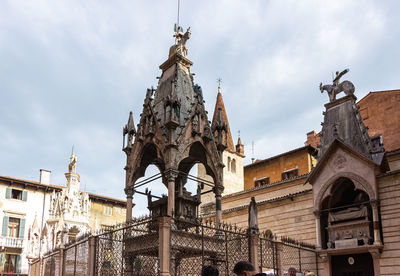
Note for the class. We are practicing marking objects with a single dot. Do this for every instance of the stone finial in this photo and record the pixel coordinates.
(129, 130)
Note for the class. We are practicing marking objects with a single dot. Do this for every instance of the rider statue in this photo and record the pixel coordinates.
(346, 86)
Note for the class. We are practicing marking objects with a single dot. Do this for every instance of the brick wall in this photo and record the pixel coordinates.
(381, 113)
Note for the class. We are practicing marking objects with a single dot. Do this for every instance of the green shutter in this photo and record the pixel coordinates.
(21, 228)
(18, 264)
(8, 192)
(5, 226)
(24, 195)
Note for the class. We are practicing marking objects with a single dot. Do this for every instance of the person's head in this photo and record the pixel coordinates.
(310, 273)
(292, 271)
(244, 268)
(209, 271)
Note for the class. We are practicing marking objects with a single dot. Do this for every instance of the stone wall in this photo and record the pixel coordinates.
(389, 194)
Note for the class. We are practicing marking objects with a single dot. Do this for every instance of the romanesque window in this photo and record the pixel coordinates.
(233, 165)
(229, 164)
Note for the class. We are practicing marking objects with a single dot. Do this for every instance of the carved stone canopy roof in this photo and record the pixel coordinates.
(343, 121)
(173, 131)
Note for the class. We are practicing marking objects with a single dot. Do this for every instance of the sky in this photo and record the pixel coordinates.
(70, 72)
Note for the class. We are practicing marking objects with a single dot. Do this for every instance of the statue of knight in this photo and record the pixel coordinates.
(346, 86)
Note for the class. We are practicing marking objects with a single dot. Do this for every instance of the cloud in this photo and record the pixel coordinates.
(72, 70)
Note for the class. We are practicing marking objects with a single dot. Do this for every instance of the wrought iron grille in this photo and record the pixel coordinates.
(267, 255)
(194, 245)
(76, 258)
(51, 264)
(292, 255)
(130, 249)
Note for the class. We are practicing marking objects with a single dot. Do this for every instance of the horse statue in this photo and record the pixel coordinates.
(180, 42)
(346, 86)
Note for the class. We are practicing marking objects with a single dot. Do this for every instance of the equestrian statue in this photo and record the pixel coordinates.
(180, 42)
(346, 86)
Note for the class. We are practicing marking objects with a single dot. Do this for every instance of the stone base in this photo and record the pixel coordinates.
(346, 243)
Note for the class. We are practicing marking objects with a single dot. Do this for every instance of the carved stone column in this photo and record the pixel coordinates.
(324, 259)
(91, 255)
(129, 203)
(61, 262)
(254, 240)
(376, 259)
(278, 250)
(317, 214)
(375, 219)
(164, 246)
(218, 189)
(171, 192)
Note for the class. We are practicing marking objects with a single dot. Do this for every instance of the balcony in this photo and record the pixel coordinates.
(11, 242)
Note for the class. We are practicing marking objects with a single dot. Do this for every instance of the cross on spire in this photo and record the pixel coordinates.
(219, 80)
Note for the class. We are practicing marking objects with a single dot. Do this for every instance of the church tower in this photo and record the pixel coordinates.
(232, 158)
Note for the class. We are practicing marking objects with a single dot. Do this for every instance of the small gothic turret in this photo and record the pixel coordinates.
(221, 131)
(239, 147)
(131, 131)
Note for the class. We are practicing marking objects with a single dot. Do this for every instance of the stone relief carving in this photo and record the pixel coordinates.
(340, 162)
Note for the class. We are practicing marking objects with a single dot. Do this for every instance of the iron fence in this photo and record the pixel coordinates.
(133, 249)
(194, 245)
(278, 255)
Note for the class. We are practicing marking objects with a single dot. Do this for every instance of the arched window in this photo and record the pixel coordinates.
(233, 165)
(229, 164)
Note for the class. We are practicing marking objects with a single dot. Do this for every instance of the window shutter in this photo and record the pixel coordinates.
(8, 192)
(24, 195)
(21, 228)
(18, 264)
(5, 225)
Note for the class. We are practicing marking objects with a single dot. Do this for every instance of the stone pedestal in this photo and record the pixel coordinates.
(253, 251)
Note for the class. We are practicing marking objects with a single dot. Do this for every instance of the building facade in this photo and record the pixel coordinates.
(343, 199)
(38, 216)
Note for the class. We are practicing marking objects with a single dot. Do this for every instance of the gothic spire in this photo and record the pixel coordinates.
(220, 105)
